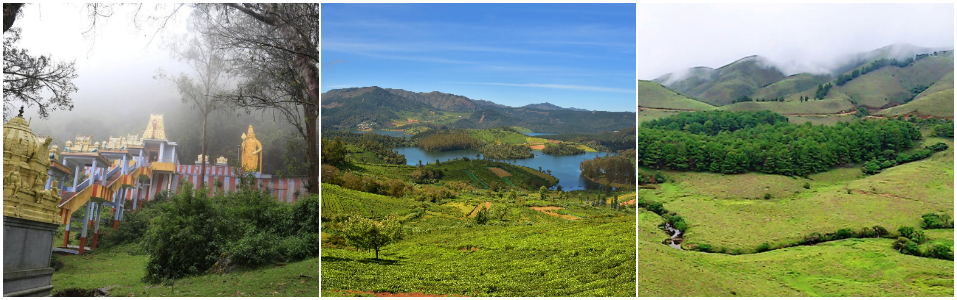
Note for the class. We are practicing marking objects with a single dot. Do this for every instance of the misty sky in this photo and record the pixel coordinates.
(571, 55)
(115, 63)
(799, 37)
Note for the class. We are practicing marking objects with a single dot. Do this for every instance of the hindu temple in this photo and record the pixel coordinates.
(50, 184)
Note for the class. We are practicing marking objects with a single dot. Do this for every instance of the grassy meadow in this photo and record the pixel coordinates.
(730, 211)
(122, 272)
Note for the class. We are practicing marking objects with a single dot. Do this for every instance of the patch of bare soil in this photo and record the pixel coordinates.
(484, 206)
(549, 211)
(499, 172)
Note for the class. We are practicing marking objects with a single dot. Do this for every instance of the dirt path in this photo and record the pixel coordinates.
(823, 115)
(879, 194)
(484, 206)
(549, 210)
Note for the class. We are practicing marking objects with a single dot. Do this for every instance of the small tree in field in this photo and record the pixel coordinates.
(369, 234)
(542, 191)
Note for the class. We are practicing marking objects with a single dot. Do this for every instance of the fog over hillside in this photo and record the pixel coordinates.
(813, 38)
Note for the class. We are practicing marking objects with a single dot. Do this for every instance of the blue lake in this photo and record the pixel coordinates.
(565, 168)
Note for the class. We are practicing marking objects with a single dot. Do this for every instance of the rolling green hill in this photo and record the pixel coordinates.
(441, 101)
(828, 106)
(346, 108)
(721, 86)
(892, 85)
(936, 101)
(654, 95)
(790, 85)
(689, 80)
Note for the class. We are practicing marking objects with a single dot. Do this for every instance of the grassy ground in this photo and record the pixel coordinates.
(102, 269)
(730, 210)
(827, 106)
(646, 115)
(854, 267)
(652, 94)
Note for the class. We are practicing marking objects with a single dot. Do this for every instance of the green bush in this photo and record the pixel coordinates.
(763, 248)
(131, 231)
(915, 235)
(935, 221)
(185, 239)
(305, 214)
(189, 233)
(843, 233)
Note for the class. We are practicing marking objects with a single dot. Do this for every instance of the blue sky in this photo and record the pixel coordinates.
(570, 55)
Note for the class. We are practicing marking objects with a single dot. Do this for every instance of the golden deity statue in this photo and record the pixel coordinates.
(252, 152)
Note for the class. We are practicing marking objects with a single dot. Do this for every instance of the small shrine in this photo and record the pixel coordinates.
(29, 211)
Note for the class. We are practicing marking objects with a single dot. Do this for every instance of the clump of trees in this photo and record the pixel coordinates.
(619, 168)
(945, 130)
(506, 151)
(749, 99)
(380, 145)
(877, 164)
(713, 122)
(874, 65)
(936, 221)
(423, 175)
(562, 149)
(910, 242)
(822, 90)
(767, 144)
(449, 142)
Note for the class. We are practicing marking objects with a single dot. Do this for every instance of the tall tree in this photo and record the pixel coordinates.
(275, 48)
(205, 56)
(26, 76)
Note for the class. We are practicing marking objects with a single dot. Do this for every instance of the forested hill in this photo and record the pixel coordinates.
(549, 106)
(346, 108)
(441, 101)
(550, 121)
